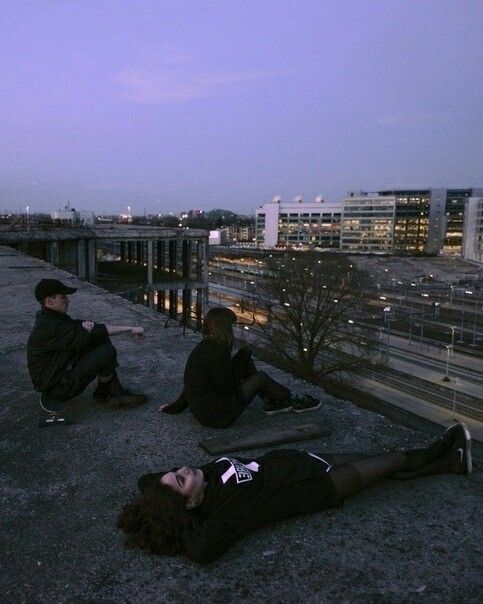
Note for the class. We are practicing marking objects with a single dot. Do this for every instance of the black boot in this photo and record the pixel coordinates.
(115, 396)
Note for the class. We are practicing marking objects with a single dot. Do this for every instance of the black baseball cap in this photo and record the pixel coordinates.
(51, 287)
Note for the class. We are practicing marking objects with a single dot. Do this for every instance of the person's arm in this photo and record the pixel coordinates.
(114, 330)
(66, 336)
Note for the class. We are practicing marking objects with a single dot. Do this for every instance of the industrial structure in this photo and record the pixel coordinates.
(161, 267)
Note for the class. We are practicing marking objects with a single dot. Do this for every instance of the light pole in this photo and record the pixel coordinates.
(387, 322)
(451, 287)
(466, 292)
(452, 335)
(473, 343)
(449, 352)
(446, 375)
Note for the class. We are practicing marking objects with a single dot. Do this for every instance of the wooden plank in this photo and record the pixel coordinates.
(262, 438)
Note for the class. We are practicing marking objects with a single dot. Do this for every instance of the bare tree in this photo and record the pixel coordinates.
(309, 313)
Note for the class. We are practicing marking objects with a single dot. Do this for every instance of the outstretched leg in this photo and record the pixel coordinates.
(450, 454)
(351, 478)
(260, 383)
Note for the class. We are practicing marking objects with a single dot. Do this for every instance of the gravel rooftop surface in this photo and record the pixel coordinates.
(61, 488)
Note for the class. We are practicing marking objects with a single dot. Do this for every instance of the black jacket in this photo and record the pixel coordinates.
(242, 495)
(54, 342)
(211, 384)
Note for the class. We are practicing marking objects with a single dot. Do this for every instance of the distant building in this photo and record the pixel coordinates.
(218, 237)
(454, 218)
(302, 224)
(426, 221)
(368, 223)
(472, 244)
(73, 216)
(241, 233)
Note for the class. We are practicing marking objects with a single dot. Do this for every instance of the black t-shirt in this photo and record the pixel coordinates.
(242, 494)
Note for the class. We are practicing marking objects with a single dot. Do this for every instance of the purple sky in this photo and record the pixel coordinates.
(173, 105)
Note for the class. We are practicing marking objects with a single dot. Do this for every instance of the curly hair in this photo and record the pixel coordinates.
(218, 324)
(156, 521)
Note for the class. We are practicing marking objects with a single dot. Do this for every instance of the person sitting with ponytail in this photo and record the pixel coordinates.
(218, 387)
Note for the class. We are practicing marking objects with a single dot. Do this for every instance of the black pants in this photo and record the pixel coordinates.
(99, 359)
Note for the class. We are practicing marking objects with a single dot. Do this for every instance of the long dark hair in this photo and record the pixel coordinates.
(156, 521)
(218, 324)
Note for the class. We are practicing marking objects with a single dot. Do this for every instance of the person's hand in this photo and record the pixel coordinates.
(163, 406)
(138, 332)
(88, 325)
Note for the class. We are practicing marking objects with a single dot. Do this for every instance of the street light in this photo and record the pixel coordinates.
(473, 343)
(387, 322)
(469, 293)
(446, 375)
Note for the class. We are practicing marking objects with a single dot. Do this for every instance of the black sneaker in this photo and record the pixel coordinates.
(459, 457)
(457, 434)
(456, 461)
(304, 402)
(271, 407)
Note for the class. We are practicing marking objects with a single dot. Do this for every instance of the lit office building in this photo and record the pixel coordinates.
(456, 200)
(472, 243)
(368, 223)
(426, 221)
(298, 224)
(411, 220)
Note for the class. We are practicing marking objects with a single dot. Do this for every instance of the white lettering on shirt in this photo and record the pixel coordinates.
(242, 472)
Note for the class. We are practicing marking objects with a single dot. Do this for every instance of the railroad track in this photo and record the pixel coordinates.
(448, 398)
(455, 370)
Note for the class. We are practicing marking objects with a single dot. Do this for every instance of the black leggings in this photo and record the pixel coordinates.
(351, 473)
(261, 384)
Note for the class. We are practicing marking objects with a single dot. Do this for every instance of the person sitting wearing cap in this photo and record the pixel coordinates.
(64, 355)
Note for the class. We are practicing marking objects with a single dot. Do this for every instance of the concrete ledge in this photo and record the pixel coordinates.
(61, 488)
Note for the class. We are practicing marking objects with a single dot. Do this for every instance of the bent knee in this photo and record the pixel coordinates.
(107, 351)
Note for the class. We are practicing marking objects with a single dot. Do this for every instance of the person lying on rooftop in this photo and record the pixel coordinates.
(202, 511)
(218, 387)
(64, 355)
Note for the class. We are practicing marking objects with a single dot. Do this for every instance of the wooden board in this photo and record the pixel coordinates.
(262, 438)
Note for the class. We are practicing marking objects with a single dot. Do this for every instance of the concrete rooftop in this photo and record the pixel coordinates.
(61, 488)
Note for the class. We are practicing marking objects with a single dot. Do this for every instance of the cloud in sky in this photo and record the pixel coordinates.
(164, 85)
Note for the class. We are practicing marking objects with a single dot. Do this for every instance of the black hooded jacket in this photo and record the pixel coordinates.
(243, 494)
(54, 342)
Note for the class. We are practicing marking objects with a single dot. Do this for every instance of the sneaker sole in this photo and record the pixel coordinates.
(286, 410)
(307, 409)
(469, 461)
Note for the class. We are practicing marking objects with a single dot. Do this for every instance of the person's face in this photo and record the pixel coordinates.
(59, 302)
(188, 482)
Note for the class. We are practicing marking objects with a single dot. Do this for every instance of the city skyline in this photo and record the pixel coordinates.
(224, 106)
